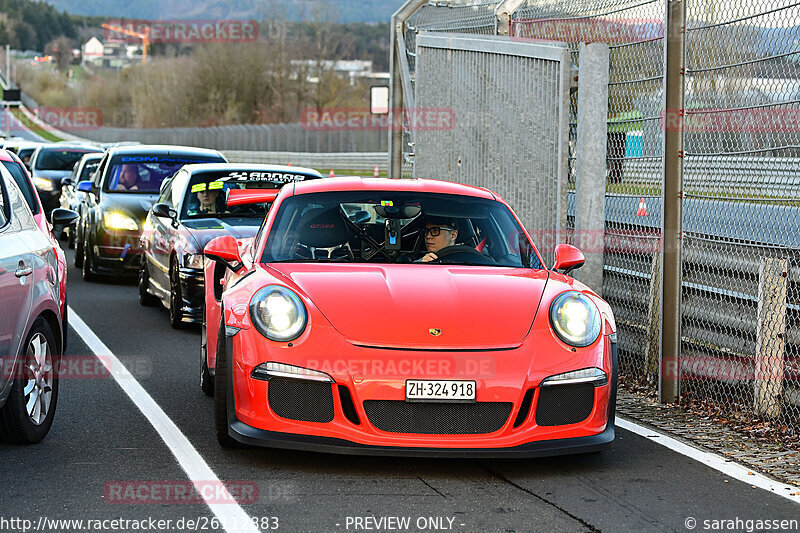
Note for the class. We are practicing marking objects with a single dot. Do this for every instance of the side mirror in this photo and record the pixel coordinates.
(85, 186)
(61, 218)
(164, 211)
(66, 181)
(224, 249)
(568, 258)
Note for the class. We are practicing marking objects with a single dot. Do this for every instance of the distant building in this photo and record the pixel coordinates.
(350, 69)
(110, 55)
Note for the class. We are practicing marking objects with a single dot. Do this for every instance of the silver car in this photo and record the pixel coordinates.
(31, 317)
(70, 195)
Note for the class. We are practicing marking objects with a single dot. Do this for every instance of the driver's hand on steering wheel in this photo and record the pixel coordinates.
(427, 258)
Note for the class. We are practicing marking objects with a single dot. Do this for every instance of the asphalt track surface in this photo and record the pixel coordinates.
(100, 440)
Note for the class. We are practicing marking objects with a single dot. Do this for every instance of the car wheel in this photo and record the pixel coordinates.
(28, 413)
(145, 298)
(221, 391)
(175, 298)
(86, 263)
(206, 380)
(78, 251)
(71, 238)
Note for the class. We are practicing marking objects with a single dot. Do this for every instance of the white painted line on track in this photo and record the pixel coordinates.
(230, 515)
(712, 460)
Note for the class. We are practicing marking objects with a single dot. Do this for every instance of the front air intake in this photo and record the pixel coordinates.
(295, 399)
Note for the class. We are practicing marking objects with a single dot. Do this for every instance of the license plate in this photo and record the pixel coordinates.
(418, 390)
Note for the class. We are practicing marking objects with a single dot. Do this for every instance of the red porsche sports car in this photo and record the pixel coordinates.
(404, 317)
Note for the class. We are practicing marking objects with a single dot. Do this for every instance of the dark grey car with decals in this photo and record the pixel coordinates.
(199, 203)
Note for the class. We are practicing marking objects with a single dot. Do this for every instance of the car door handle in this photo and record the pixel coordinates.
(23, 271)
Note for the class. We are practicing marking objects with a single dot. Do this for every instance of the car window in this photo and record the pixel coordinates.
(88, 169)
(5, 212)
(389, 227)
(144, 174)
(206, 194)
(24, 185)
(176, 189)
(100, 171)
(55, 159)
(25, 152)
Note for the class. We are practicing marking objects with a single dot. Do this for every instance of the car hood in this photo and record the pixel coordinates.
(439, 307)
(206, 229)
(51, 174)
(136, 204)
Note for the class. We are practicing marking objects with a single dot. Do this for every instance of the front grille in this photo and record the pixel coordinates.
(437, 418)
(564, 404)
(295, 399)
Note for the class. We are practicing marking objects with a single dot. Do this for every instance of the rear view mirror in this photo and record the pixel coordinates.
(85, 186)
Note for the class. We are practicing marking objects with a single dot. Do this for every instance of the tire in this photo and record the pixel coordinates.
(78, 251)
(86, 263)
(145, 298)
(175, 297)
(221, 392)
(71, 238)
(40, 352)
(206, 379)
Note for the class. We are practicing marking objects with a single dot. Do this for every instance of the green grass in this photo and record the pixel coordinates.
(35, 128)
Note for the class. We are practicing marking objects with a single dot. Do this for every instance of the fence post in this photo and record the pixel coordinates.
(590, 164)
(671, 196)
(770, 342)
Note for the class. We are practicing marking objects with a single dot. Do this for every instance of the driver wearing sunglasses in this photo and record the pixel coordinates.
(438, 234)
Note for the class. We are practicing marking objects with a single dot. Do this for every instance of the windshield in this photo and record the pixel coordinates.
(397, 227)
(51, 159)
(143, 174)
(24, 153)
(207, 192)
(88, 170)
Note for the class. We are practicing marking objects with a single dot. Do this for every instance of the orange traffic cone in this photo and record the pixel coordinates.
(331, 174)
(642, 211)
(375, 173)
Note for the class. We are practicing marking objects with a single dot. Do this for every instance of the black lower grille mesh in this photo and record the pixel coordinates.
(437, 418)
(564, 404)
(295, 399)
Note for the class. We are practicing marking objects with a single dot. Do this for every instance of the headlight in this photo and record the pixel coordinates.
(278, 313)
(279, 370)
(43, 184)
(194, 260)
(575, 319)
(117, 220)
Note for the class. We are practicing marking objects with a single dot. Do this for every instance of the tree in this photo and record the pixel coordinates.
(61, 49)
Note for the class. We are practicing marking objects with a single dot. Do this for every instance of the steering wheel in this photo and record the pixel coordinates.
(458, 253)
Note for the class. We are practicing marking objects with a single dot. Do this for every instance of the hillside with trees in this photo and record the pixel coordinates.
(27, 25)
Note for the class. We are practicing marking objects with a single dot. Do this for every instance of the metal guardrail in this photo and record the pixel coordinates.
(364, 161)
(253, 137)
(765, 175)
